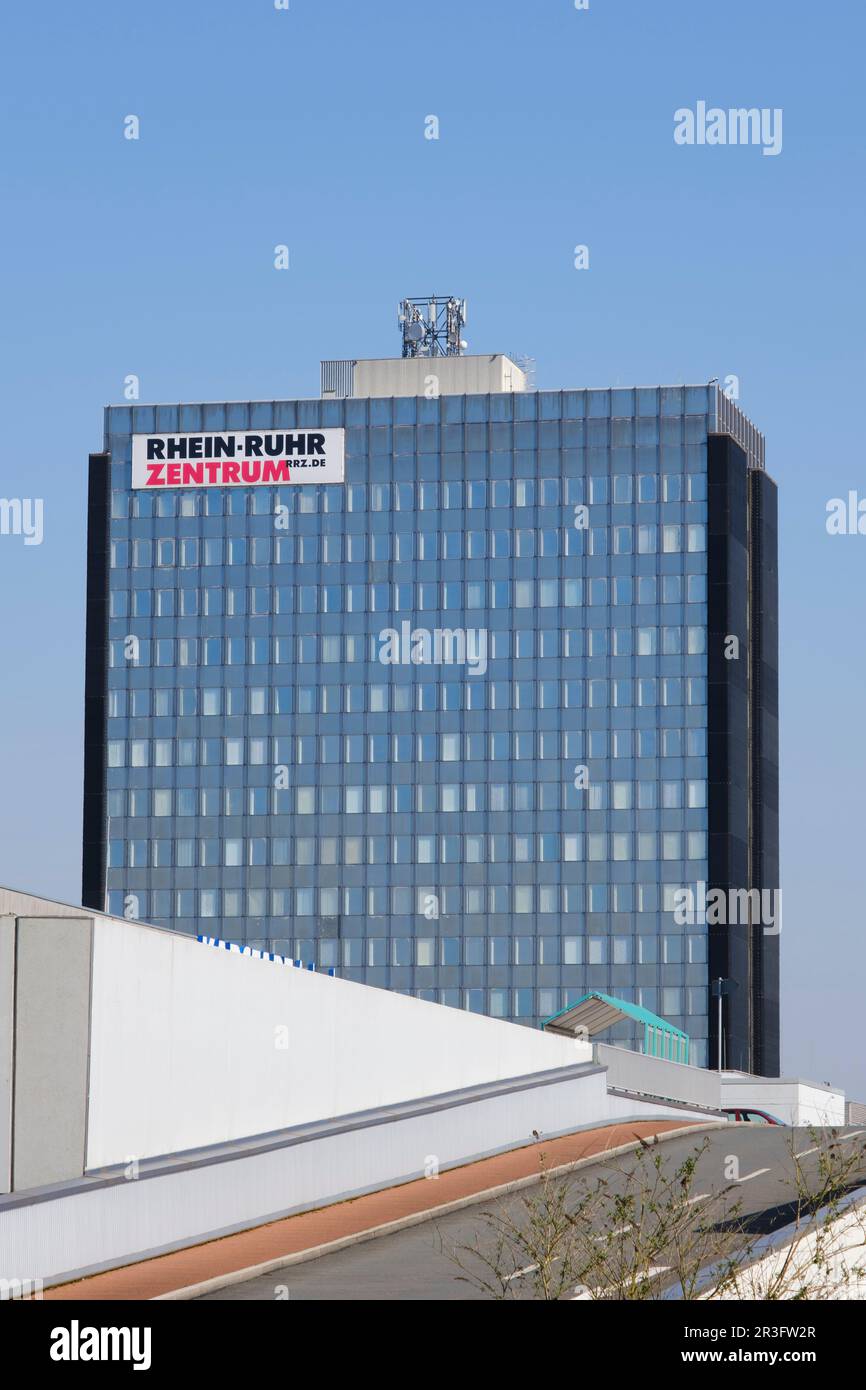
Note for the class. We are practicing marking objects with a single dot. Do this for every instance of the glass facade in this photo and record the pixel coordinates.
(291, 762)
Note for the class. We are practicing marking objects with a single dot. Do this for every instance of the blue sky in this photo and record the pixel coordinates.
(306, 127)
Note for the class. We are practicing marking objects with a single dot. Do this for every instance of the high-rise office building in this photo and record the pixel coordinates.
(448, 684)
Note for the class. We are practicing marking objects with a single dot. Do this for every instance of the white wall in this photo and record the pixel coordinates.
(655, 1076)
(408, 376)
(184, 1046)
(101, 1226)
(130, 1220)
(791, 1101)
(815, 1106)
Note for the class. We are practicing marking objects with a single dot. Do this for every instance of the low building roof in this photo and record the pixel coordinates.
(595, 1013)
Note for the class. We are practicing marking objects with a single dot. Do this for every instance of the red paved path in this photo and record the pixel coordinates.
(293, 1234)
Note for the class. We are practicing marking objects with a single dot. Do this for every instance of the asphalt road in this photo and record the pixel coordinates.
(754, 1162)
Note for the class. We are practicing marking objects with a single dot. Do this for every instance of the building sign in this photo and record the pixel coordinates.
(237, 460)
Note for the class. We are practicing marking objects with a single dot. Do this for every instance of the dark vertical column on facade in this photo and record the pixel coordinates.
(728, 740)
(764, 549)
(95, 846)
(743, 752)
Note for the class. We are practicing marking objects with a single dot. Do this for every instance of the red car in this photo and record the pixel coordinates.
(751, 1117)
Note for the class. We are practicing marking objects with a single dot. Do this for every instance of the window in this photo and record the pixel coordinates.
(697, 537)
(696, 795)
(498, 948)
(572, 950)
(524, 593)
(499, 1003)
(353, 957)
(622, 487)
(524, 492)
(672, 1002)
(524, 950)
(450, 950)
(401, 950)
(377, 952)
(697, 588)
(523, 1003)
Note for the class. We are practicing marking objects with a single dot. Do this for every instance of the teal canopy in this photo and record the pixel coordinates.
(595, 1012)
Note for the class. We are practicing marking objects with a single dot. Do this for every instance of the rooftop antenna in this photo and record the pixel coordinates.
(432, 326)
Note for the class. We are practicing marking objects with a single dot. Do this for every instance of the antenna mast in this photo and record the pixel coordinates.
(432, 326)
